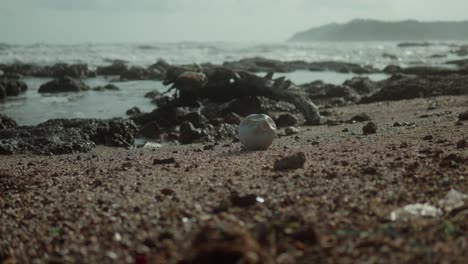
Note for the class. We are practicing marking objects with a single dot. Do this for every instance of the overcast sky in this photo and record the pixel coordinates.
(79, 21)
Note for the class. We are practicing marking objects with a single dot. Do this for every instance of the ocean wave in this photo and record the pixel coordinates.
(145, 54)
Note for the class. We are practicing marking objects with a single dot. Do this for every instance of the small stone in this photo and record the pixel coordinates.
(292, 162)
(133, 111)
(167, 191)
(291, 131)
(462, 144)
(243, 201)
(369, 128)
(428, 137)
(463, 116)
(359, 118)
(232, 118)
(286, 120)
(163, 161)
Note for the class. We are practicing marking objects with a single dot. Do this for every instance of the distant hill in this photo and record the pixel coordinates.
(366, 30)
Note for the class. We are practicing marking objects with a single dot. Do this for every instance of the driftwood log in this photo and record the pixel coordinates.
(221, 84)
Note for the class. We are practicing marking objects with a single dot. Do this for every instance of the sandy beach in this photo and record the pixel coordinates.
(200, 203)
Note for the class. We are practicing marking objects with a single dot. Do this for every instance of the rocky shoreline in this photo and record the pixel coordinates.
(225, 94)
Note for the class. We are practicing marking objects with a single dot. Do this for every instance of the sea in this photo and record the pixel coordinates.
(31, 108)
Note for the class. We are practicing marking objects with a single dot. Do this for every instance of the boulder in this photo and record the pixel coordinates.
(133, 111)
(63, 84)
(116, 68)
(362, 85)
(64, 136)
(11, 86)
(7, 122)
(400, 87)
(107, 87)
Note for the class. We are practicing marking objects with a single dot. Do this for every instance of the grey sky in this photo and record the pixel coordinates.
(78, 21)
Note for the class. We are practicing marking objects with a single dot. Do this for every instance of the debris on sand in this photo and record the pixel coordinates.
(369, 128)
(412, 211)
(292, 162)
(257, 132)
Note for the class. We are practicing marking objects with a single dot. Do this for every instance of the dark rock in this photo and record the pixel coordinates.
(286, 120)
(292, 162)
(428, 70)
(389, 56)
(362, 85)
(11, 86)
(188, 133)
(61, 70)
(245, 106)
(400, 87)
(289, 131)
(428, 137)
(232, 118)
(65, 84)
(3, 93)
(151, 130)
(167, 191)
(319, 90)
(163, 161)
(341, 67)
(462, 143)
(463, 116)
(165, 115)
(6, 122)
(140, 73)
(359, 118)
(461, 51)
(65, 136)
(243, 200)
(460, 63)
(438, 56)
(369, 128)
(414, 44)
(107, 87)
(153, 94)
(54, 71)
(369, 171)
(133, 111)
(259, 64)
(116, 68)
(197, 119)
(391, 69)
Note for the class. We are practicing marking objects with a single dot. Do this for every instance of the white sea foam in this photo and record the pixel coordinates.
(145, 54)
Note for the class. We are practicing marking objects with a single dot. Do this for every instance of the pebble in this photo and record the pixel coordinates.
(292, 162)
(369, 128)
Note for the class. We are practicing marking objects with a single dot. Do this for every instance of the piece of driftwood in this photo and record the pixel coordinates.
(222, 84)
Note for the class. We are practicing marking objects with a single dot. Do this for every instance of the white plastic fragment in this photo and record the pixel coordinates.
(411, 211)
(453, 200)
(257, 132)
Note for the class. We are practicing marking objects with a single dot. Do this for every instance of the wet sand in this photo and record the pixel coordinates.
(117, 205)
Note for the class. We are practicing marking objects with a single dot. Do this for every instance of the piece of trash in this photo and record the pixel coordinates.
(257, 132)
(453, 200)
(411, 211)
